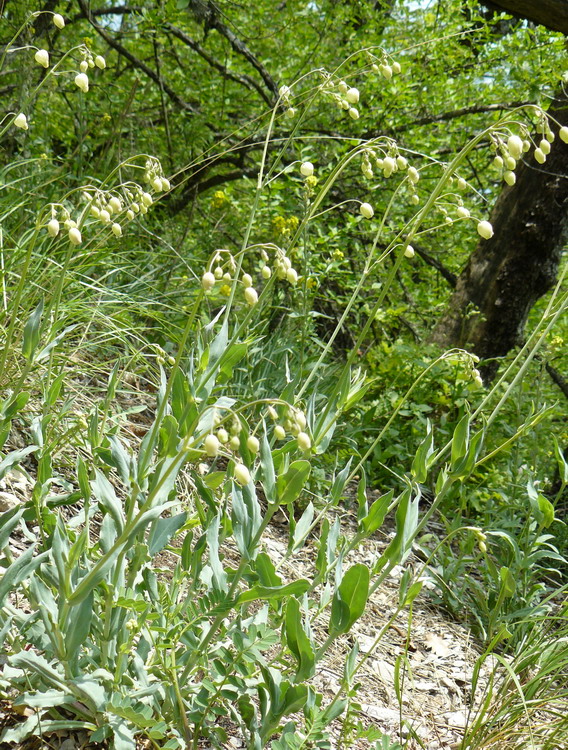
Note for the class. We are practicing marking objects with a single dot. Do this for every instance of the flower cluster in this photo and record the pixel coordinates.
(285, 95)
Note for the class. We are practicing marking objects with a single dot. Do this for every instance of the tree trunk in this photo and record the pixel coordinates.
(507, 274)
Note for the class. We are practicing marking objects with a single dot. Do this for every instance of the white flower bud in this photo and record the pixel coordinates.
(401, 162)
(58, 20)
(498, 162)
(207, 281)
(211, 446)
(53, 228)
(342, 87)
(307, 169)
(272, 413)
(304, 442)
(100, 62)
(463, 212)
(222, 435)
(75, 236)
(389, 166)
(104, 216)
(115, 204)
(515, 146)
(116, 229)
(284, 92)
(42, 57)
(396, 68)
(83, 66)
(241, 474)
(135, 207)
(510, 177)
(157, 184)
(95, 211)
(386, 71)
(290, 112)
(413, 175)
(545, 146)
(130, 214)
(266, 272)
(414, 199)
(367, 210)
(251, 296)
(218, 272)
(563, 133)
(82, 82)
(539, 155)
(485, 230)
(234, 443)
(279, 432)
(510, 163)
(147, 199)
(462, 184)
(21, 121)
(301, 420)
(352, 95)
(409, 252)
(292, 275)
(353, 113)
(247, 279)
(166, 185)
(253, 444)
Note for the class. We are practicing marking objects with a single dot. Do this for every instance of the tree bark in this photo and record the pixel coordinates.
(550, 13)
(505, 275)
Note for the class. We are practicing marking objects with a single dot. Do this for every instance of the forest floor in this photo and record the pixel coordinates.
(436, 655)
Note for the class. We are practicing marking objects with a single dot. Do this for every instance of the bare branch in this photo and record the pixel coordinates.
(559, 379)
(208, 15)
(450, 277)
(244, 80)
(135, 61)
(550, 13)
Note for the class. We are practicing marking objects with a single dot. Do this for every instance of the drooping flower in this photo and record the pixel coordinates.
(42, 57)
(82, 82)
(21, 121)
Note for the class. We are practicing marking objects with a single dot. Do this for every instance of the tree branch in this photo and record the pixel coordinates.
(208, 15)
(135, 61)
(244, 80)
(550, 13)
(560, 381)
(450, 277)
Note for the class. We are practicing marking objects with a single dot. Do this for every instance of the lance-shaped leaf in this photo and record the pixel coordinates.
(291, 484)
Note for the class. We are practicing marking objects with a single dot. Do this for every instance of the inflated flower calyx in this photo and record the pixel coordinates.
(166, 185)
(104, 216)
(463, 212)
(53, 228)
(409, 252)
(83, 66)
(21, 121)
(485, 230)
(352, 95)
(386, 71)
(367, 210)
(396, 68)
(58, 20)
(42, 57)
(279, 432)
(115, 203)
(510, 163)
(284, 92)
(247, 279)
(147, 199)
(563, 133)
(116, 229)
(234, 443)
(100, 62)
(510, 177)
(462, 184)
(207, 281)
(241, 474)
(304, 442)
(222, 435)
(389, 166)
(211, 446)
(515, 146)
(218, 272)
(251, 296)
(307, 169)
(539, 155)
(130, 214)
(253, 444)
(401, 162)
(292, 275)
(157, 184)
(266, 272)
(353, 113)
(82, 82)
(545, 146)
(342, 87)
(498, 162)
(413, 175)
(75, 236)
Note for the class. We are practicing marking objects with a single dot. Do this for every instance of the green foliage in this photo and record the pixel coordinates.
(272, 321)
